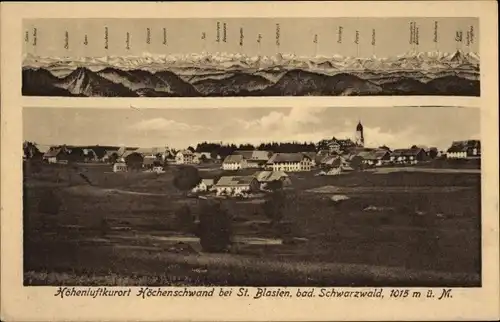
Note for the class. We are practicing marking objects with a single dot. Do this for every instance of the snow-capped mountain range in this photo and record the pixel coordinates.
(225, 74)
(200, 63)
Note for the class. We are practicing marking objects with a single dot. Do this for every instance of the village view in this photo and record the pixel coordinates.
(334, 212)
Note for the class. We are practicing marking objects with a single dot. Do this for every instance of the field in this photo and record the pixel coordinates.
(397, 228)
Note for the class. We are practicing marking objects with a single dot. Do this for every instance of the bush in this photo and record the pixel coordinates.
(273, 207)
(184, 219)
(186, 178)
(214, 228)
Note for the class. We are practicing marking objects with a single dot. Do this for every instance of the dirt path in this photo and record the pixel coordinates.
(91, 190)
(422, 169)
(392, 189)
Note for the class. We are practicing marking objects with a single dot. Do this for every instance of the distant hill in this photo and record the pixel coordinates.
(83, 81)
(232, 86)
(112, 82)
(301, 83)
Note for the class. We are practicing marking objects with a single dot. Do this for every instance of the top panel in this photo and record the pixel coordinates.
(259, 57)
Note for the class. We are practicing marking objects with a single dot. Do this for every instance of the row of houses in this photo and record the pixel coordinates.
(238, 185)
(290, 162)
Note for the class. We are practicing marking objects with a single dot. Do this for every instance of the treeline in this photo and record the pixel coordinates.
(277, 147)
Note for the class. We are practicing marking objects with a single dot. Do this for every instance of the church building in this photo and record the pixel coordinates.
(359, 138)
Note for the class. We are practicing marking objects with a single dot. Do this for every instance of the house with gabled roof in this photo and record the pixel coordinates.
(204, 185)
(377, 157)
(234, 162)
(266, 178)
(254, 158)
(236, 185)
(339, 145)
(56, 154)
(186, 157)
(464, 149)
(411, 156)
(289, 162)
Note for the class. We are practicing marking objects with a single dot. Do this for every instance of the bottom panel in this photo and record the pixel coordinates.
(252, 197)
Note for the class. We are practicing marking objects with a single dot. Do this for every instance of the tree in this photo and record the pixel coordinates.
(184, 219)
(113, 158)
(274, 185)
(30, 150)
(134, 161)
(203, 158)
(273, 207)
(433, 153)
(357, 163)
(191, 149)
(214, 228)
(214, 154)
(186, 178)
(90, 156)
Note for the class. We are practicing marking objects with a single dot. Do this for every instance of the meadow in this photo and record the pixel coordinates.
(401, 228)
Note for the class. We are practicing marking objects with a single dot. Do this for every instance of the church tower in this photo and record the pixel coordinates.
(360, 138)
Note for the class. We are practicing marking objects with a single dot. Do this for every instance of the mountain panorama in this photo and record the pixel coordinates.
(225, 74)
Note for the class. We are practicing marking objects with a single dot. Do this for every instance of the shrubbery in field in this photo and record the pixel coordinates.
(275, 206)
(184, 219)
(186, 178)
(214, 228)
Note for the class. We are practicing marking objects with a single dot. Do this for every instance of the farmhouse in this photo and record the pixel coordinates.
(268, 178)
(290, 162)
(313, 156)
(204, 185)
(56, 155)
(234, 162)
(203, 156)
(331, 161)
(377, 157)
(464, 150)
(151, 161)
(186, 157)
(119, 167)
(411, 156)
(112, 155)
(235, 185)
(256, 158)
(338, 146)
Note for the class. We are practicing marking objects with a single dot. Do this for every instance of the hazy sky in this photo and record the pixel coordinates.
(296, 35)
(396, 127)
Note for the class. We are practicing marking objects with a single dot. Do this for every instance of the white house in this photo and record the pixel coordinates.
(268, 177)
(377, 157)
(410, 156)
(290, 162)
(464, 149)
(186, 157)
(236, 185)
(204, 185)
(56, 155)
(234, 162)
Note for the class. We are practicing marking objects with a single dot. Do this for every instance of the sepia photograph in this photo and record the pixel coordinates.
(258, 57)
(292, 196)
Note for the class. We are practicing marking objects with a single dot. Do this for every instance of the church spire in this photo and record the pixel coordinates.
(360, 138)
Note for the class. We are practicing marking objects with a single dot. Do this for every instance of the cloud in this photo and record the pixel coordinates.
(162, 124)
(281, 126)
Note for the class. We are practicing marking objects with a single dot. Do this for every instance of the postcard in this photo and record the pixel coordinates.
(254, 161)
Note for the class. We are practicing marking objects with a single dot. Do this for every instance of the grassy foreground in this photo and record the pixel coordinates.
(397, 229)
